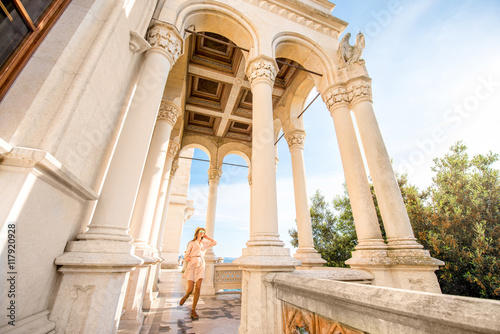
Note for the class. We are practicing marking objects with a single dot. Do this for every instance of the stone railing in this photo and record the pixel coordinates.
(227, 276)
(307, 304)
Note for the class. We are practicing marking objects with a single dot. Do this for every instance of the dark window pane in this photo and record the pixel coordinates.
(35, 8)
(12, 29)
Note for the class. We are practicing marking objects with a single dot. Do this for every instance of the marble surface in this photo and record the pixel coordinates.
(218, 314)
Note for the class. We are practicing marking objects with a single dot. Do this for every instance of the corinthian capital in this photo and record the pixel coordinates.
(262, 67)
(295, 138)
(173, 148)
(168, 112)
(214, 174)
(336, 96)
(359, 90)
(164, 36)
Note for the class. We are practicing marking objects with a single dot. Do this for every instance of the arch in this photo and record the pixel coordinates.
(309, 54)
(239, 149)
(221, 19)
(204, 144)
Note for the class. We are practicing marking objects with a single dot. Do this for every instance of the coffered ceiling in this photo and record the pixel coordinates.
(219, 99)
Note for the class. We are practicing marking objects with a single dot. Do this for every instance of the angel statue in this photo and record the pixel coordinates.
(351, 54)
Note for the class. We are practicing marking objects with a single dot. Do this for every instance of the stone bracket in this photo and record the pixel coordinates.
(137, 43)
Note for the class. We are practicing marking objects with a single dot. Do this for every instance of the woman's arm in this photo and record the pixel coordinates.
(212, 241)
(188, 251)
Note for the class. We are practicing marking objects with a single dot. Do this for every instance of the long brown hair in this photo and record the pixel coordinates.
(196, 233)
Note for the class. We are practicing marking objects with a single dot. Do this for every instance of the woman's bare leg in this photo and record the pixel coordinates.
(196, 294)
(188, 292)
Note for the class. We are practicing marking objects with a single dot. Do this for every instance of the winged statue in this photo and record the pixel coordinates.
(351, 54)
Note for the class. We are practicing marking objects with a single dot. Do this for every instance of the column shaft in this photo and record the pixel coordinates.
(144, 210)
(214, 175)
(396, 222)
(306, 252)
(264, 213)
(363, 208)
(163, 195)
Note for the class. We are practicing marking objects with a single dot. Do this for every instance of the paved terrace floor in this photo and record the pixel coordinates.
(218, 314)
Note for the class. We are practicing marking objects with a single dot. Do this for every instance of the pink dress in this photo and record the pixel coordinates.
(196, 265)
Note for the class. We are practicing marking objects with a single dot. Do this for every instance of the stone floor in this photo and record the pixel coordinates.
(218, 314)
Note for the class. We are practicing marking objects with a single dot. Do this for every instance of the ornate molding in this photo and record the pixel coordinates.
(359, 90)
(163, 36)
(168, 112)
(336, 96)
(249, 177)
(327, 24)
(214, 174)
(297, 320)
(173, 148)
(342, 95)
(296, 138)
(261, 68)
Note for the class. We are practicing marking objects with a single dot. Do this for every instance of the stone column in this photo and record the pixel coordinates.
(265, 252)
(144, 211)
(161, 205)
(169, 262)
(96, 266)
(363, 209)
(411, 266)
(214, 175)
(164, 195)
(306, 252)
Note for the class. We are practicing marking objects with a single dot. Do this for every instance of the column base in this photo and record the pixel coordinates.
(152, 277)
(259, 307)
(170, 260)
(92, 287)
(208, 287)
(136, 287)
(309, 258)
(265, 239)
(409, 269)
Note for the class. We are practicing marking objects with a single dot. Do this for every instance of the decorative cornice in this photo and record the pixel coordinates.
(261, 68)
(214, 174)
(296, 138)
(168, 112)
(162, 35)
(173, 148)
(327, 24)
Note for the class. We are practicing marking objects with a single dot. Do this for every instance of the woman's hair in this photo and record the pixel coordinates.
(196, 232)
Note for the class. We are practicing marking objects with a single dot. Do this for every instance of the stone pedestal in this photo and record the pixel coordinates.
(402, 269)
(92, 286)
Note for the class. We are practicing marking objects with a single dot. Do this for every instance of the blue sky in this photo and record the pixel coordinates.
(435, 66)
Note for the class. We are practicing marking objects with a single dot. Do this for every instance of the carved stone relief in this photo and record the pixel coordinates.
(300, 321)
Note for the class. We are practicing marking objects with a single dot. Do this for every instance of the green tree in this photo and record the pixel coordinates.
(461, 223)
(333, 233)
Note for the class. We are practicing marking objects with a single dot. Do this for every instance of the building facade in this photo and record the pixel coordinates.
(92, 127)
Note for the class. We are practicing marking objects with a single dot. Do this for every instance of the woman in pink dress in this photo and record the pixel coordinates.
(195, 271)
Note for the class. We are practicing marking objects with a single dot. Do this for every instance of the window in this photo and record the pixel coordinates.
(23, 26)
